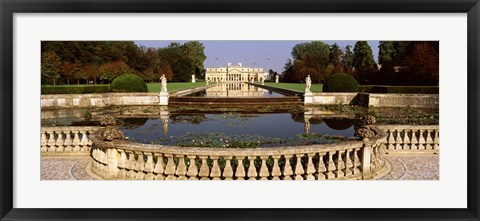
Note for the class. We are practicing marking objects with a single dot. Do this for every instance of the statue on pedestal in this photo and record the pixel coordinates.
(164, 83)
(308, 83)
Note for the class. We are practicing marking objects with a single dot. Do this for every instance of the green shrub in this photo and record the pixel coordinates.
(399, 89)
(341, 82)
(81, 89)
(128, 83)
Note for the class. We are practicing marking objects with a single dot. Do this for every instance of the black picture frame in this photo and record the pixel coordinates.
(9, 7)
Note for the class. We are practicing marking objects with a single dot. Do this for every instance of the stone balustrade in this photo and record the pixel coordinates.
(120, 159)
(66, 140)
(411, 139)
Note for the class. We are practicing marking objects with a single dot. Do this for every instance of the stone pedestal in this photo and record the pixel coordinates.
(163, 98)
(308, 98)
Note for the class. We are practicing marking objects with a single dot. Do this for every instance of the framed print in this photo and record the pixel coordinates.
(239, 110)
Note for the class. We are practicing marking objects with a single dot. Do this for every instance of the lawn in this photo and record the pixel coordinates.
(174, 86)
(295, 86)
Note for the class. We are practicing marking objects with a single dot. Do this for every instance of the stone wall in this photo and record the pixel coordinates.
(375, 100)
(97, 100)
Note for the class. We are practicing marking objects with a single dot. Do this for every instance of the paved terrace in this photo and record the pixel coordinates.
(403, 168)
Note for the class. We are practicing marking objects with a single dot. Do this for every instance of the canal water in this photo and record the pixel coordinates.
(235, 89)
(248, 129)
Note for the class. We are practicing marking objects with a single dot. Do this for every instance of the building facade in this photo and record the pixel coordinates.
(234, 73)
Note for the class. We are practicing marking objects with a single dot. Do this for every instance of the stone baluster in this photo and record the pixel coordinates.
(149, 166)
(101, 160)
(122, 164)
(331, 166)
(373, 158)
(159, 167)
(240, 171)
(310, 167)
(287, 169)
(130, 164)
(76, 141)
(299, 171)
(228, 170)
(321, 167)
(252, 170)
(398, 138)
(276, 172)
(139, 166)
(429, 140)
(348, 163)
(340, 164)
(366, 162)
(204, 170)
(94, 157)
(59, 142)
(414, 141)
(170, 167)
(390, 140)
(380, 155)
(421, 141)
(436, 140)
(51, 141)
(84, 141)
(356, 162)
(406, 140)
(192, 170)
(68, 141)
(181, 168)
(215, 173)
(90, 142)
(264, 174)
(44, 141)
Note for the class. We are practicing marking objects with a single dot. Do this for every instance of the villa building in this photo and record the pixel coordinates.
(234, 73)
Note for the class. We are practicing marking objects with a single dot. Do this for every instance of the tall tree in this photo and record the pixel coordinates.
(362, 60)
(113, 69)
(311, 58)
(195, 51)
(335, 55)
(424, 62)
(392, 53)
(51, 67)
(347, 60)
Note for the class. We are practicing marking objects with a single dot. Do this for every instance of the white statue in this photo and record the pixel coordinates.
(263, 81)
(276, 79)
(193, 78)
(164, 83)
(206, 80)
(308, 82)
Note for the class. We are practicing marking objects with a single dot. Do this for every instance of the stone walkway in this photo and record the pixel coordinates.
(403, 168)
(65, 168)
(413, 168)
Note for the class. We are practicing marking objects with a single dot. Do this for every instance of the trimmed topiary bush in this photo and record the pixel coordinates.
(128, 83)
(341, 82)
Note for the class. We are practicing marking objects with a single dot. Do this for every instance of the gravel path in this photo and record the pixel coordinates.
(403, 168)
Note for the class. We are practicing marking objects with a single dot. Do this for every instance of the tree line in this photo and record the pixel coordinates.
(400, 62)
(83, 62)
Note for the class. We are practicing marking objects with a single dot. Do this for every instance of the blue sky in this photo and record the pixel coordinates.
(265, 54)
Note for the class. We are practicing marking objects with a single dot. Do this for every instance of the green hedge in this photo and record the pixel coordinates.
(69, 89)
(129, 83)
(340, 82)
(381, 89)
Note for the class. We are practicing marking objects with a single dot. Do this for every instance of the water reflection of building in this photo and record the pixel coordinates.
(235, 89)
(234, 73)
